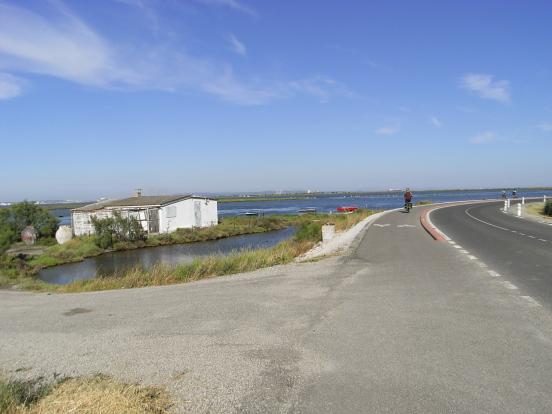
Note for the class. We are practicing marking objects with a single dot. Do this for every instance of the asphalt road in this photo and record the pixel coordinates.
(402, 324)
(519, 249)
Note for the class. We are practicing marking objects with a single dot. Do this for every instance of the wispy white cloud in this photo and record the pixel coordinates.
(485, 87)
(435, 122)
(232, 4)
(545, 126)
(388, 130)
(68, 49)
(10, 86)
(483, 138)
(237, 46)
(64, 46)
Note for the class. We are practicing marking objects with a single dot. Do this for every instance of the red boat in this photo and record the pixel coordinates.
(347, 209)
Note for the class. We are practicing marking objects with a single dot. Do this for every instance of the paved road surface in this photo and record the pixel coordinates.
(403, 325)
(520, 250)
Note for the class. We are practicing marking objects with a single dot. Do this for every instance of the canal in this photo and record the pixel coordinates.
(117, 262)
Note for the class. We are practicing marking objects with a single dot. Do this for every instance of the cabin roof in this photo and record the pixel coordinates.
(139, 201)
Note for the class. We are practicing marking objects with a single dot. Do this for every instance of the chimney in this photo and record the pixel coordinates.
(138, 192)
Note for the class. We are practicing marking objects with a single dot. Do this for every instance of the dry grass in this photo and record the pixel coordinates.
(95, 395)
(536, 210)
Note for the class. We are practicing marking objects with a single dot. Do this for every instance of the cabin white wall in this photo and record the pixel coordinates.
(81, 221)
(209, 213)
(185, 215)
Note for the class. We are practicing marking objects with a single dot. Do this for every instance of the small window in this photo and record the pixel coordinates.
(171, 211)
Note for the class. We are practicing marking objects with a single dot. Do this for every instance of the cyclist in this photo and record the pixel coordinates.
(407, 198)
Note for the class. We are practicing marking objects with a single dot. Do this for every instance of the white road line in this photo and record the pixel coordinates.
(484, 222)
(481, 264)
(457, 246)
(472, 257)
(405, 225)
(493, 273)
(381, 225)
(543, 240)
(508, 285)
(532, 301)
(464, 251)
(499, 227)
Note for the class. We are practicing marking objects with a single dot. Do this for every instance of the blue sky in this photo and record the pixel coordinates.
(177, 96)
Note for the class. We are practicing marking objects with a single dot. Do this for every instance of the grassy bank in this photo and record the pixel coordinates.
(12, 269)
(97, 394)
(308, 234)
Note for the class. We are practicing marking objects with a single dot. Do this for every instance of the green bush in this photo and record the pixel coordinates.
(548, 208)
(309, 231)
(15, 218)
(117, 229)
(7, 237)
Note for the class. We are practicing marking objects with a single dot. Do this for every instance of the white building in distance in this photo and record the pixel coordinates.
(157, 214)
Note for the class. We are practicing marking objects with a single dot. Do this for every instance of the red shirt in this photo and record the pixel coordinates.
(408, 196)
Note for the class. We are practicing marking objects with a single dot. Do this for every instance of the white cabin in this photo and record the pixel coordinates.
(157, 214)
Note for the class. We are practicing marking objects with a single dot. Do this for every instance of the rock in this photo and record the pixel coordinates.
(64, 234)
(29, 235)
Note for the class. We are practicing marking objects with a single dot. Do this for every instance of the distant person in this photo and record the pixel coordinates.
(407, 196)
(514, 194)
(503, 194)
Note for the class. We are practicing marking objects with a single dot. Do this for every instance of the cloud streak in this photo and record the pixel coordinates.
(232, 4)
(485, 87)
(10, 86)
(435, 122)
(236, 46)
(483, 138)
(388, 130)
(62, 45)
(545, 126)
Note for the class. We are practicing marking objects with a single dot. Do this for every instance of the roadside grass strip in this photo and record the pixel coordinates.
(92, 395)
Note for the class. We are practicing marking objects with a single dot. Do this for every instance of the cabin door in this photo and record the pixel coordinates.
(197, 213)
(153, 220)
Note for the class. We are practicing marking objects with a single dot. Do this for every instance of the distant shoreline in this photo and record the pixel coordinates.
(311, 195)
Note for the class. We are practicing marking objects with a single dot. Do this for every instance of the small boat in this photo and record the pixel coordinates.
(253, 213)
(307, 210)
(347, 209)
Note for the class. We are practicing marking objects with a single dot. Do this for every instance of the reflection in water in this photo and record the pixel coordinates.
(110, 263)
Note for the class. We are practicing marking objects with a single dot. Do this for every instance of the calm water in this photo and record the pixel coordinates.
(376, 201)
(380, 201)
(110, 263)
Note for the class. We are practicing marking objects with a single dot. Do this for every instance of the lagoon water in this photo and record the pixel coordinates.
(325, 204)
(376, 201)
(109, 263)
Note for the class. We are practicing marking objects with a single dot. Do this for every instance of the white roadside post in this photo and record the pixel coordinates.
(519, 210)
(508, 201)
(522, 201)
(505, 206)
(544, 199)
